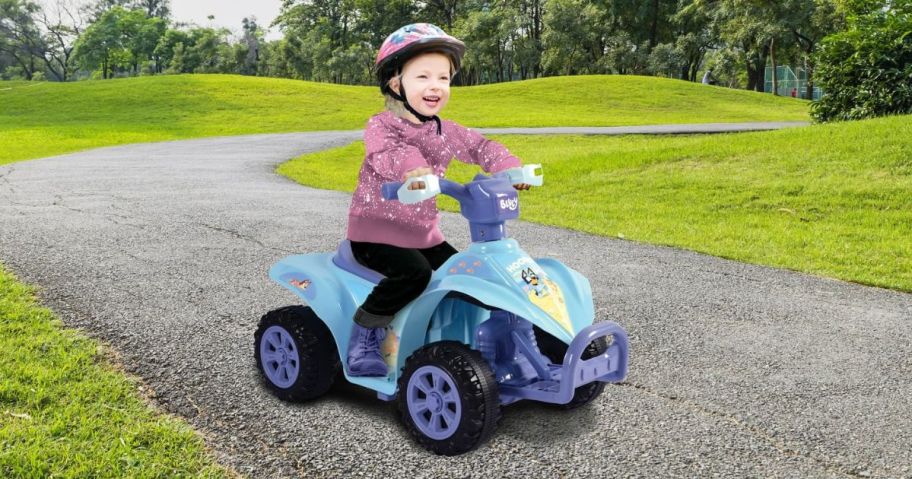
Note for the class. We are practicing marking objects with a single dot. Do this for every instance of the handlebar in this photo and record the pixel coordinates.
(433, 185)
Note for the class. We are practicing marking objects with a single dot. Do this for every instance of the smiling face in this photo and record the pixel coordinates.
(427, 83)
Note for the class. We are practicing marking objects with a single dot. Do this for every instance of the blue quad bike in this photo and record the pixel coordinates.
(493, 327)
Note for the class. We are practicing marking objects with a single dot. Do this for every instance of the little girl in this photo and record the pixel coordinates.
(400, 241)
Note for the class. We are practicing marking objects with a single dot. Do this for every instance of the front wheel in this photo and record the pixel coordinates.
(555, 350)
(448, 398)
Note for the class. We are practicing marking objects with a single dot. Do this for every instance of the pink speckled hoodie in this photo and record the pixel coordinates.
(394, 146)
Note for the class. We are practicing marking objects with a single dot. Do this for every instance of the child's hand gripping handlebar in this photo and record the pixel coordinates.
(400, 190)
(525, 175)
(529, 175)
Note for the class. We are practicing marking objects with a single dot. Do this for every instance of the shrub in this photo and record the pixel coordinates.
(866, 71)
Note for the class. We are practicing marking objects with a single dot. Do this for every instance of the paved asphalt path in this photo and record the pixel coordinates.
(736, 370)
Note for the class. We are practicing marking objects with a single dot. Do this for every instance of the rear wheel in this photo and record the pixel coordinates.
(555, 350)
(295, 353)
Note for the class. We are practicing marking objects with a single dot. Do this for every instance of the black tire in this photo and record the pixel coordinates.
(316, 349)
(478, 395)
(555, 350)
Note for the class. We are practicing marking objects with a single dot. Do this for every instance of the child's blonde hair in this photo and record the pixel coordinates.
(394, 105)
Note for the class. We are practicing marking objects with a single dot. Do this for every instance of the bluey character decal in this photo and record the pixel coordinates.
(534, 282)
(541, 291)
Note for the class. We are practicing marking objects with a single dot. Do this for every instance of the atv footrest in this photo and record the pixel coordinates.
(610, 366)
(547, 386)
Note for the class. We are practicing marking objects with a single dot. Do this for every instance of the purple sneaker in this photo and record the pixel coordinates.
(364, 358)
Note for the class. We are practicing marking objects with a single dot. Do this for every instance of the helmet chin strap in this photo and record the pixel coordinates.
(401, 97)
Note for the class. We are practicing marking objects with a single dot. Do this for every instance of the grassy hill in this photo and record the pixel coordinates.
(832, 200)
(9, 84)
(43, 119)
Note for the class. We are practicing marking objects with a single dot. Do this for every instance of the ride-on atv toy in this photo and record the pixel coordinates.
(494, 326)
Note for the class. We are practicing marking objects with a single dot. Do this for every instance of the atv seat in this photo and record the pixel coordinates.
(346, 260)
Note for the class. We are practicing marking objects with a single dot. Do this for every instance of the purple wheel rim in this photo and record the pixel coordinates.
(279, 357)
(433, 402)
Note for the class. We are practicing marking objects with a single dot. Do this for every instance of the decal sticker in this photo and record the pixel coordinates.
(390, 347)
(468, 265)
(538, 287)
(301, 284)
(542, 292)
(552, 302)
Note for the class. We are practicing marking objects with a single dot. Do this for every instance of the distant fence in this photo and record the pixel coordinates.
(790, 82)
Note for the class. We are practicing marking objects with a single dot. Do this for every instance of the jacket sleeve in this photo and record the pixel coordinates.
(475, 148)
(387, 154)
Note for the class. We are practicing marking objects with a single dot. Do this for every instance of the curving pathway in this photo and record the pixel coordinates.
(736, 370)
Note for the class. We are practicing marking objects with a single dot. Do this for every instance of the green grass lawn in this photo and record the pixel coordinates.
(6, 85)
(40, 119)
(66, 412)
(832, 200)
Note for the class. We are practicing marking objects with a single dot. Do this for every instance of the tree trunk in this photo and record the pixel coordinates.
(66, 64)
(654, 28)
(756, 72)
(58, 75)
(536, 35)
(809, 67)
(751, 73)
(22, 63)
(775, 69)
(508, 65)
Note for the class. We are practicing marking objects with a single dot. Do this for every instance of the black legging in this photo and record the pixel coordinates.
(408, 272)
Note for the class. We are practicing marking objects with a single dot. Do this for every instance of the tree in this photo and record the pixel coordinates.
(490, 33)
(866, 70)
(120, 38)
(205, 54)
(97, 8)
(154, 8)
(666, 60)
(444, 13)
(322, 28)
(743, 26)
(164, 51)
(378, 18)
(814, 20)
(61, 32)
(141, 35)
(102, 42)
(527, 47)
(572, 39)
(252, 37)
(693, 38)
(330, 19)
(20, 38)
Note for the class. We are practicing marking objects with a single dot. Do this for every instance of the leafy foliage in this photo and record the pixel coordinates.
(336, 40)
(867, 70)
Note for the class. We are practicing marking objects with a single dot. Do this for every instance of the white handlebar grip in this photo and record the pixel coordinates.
(528, 174)
(430, 190)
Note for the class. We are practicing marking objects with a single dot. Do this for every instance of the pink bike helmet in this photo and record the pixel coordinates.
(411, 40)
(406, 43)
